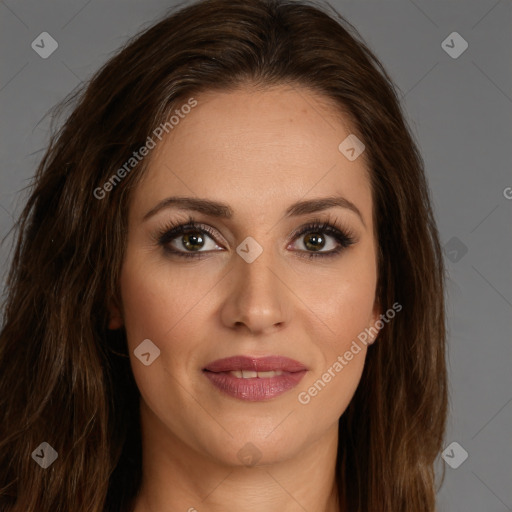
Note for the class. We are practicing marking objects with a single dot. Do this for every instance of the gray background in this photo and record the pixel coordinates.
(460, 111)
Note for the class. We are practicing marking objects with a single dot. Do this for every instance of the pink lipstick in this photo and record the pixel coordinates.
(255, 379)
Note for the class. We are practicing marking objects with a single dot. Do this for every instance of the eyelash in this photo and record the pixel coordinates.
(172, 230)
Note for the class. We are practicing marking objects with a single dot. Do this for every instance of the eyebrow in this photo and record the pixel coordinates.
(222, 210)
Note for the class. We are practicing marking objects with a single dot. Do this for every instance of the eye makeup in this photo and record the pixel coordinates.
(171, 231)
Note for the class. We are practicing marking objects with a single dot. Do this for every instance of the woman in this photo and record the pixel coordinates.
(227, 290)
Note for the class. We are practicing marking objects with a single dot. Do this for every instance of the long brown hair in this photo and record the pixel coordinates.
(65, 378)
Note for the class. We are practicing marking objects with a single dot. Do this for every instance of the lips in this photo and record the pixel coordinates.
(254, 379)
(261, 364)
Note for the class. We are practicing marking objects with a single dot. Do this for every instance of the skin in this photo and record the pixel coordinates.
(259, 152)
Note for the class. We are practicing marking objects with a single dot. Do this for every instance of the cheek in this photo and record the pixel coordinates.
(159, 306)
(170, 306)
(327, 392)
(343, 298)
(157, 300)
(350, 309)
(344, 302)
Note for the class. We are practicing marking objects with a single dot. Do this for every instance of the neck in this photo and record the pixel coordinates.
(178, 478)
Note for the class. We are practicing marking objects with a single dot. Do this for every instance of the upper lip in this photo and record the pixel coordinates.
(257, 364)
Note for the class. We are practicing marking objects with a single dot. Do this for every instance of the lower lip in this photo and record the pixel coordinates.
(254, 389)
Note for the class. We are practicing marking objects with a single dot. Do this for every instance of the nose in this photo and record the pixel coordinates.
(258, 301)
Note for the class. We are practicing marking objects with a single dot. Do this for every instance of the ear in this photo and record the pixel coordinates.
(376, 313)
(115, 320)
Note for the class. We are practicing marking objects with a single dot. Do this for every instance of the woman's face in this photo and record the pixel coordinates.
(250, 287)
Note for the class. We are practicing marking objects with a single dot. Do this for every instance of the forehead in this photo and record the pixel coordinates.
(257, 150)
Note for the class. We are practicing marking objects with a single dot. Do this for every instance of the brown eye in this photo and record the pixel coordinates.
(317, 239)
(321, 239)
(192, 242)
(314, 241)
(188, 240)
